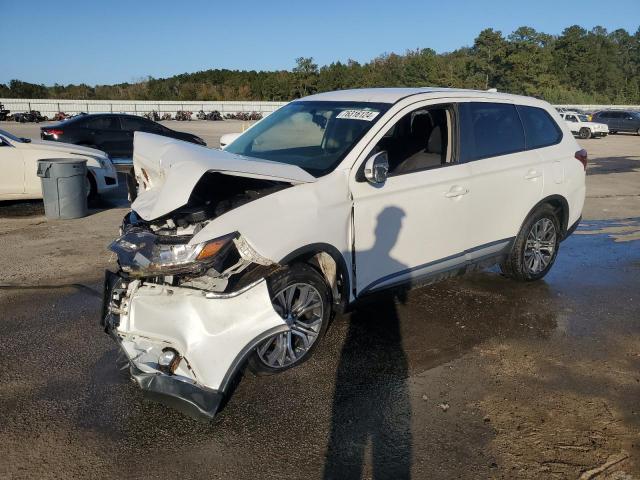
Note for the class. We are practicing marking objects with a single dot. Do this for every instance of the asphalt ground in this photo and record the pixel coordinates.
(475, 377)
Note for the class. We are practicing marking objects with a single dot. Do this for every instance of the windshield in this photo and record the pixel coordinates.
(315, 136)
(10, 136)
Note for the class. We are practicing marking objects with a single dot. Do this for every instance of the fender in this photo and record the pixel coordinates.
(553, 199)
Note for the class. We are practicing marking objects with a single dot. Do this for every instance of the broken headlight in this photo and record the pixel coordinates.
(142, 253)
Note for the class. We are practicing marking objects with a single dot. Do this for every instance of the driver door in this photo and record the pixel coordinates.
(413, 225)
(12, 170)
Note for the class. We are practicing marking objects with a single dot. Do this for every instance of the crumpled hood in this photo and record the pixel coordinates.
(168, 170)
(62, 148)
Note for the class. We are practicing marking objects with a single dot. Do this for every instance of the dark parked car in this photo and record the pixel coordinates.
(619, 120)
(111, 133)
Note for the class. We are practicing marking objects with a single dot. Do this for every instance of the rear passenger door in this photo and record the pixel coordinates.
(572, 121)
(131, 124)
(103, 132)
(507, 179)
(615, 121)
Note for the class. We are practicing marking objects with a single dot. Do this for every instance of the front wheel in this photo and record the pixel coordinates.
(535, 248)
(302, 298)
(92, 188)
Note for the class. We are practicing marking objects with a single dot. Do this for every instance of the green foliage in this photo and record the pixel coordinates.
(578, 66)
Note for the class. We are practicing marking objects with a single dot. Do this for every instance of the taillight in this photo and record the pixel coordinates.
(54, 131)
(581, 156)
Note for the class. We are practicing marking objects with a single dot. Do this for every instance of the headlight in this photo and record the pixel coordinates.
(142, 253)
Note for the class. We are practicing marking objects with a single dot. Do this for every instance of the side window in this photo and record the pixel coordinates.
(569, 118)
(133, 124)
(540, 130)
(489, 130)
(420, 140)
(102, 123)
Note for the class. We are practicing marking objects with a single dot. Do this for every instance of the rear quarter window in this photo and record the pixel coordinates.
(489, 130)
(540, 130)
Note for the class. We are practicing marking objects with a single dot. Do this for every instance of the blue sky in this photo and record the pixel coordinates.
(113, 41)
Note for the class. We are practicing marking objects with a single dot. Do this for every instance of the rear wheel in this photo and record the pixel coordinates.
(302, 298)
(535, 248)
(585, 133)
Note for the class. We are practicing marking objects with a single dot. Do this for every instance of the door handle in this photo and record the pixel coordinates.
(456, 191)
(532, 175)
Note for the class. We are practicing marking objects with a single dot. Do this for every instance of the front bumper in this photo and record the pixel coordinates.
(212, 333)
(106, 179)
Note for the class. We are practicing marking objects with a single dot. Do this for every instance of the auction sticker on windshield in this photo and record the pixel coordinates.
(366, 115)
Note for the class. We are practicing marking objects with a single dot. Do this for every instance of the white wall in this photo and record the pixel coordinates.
(51, 107)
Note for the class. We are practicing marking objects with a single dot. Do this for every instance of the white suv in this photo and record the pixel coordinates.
(243, 255)
(580, 125)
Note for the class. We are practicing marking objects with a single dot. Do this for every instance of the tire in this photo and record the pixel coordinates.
(585, 133)
(528, 260)
(638, 132)
(92, 188)
(273, 355)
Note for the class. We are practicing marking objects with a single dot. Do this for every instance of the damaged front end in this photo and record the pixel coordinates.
(187, 315)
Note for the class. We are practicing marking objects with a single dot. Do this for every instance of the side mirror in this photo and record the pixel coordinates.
(376, 168)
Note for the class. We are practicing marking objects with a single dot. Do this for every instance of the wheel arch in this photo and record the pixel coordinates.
(560, 205)
(317, 255)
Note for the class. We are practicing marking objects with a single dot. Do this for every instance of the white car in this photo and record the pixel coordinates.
(580, 125)
(243, 255)
(227, 138)
(19, 160)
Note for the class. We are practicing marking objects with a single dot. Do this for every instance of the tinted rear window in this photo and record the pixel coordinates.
(489, 130)
(540, 129)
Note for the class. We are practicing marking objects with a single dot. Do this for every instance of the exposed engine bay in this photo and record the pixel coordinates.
(159, 250)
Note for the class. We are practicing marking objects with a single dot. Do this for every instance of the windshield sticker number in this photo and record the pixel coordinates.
(366, 115)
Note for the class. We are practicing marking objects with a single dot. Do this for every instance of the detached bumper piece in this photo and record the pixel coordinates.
(184, 346)
(193, 401)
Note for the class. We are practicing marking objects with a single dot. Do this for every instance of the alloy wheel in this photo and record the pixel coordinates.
(301, 307)
(540, 246)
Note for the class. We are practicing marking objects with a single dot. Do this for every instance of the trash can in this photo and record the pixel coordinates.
(64, 187)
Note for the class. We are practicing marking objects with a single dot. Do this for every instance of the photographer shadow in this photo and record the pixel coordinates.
(371, 400)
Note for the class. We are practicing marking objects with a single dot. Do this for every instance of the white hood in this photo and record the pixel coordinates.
(169, 169)
(62, 148)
